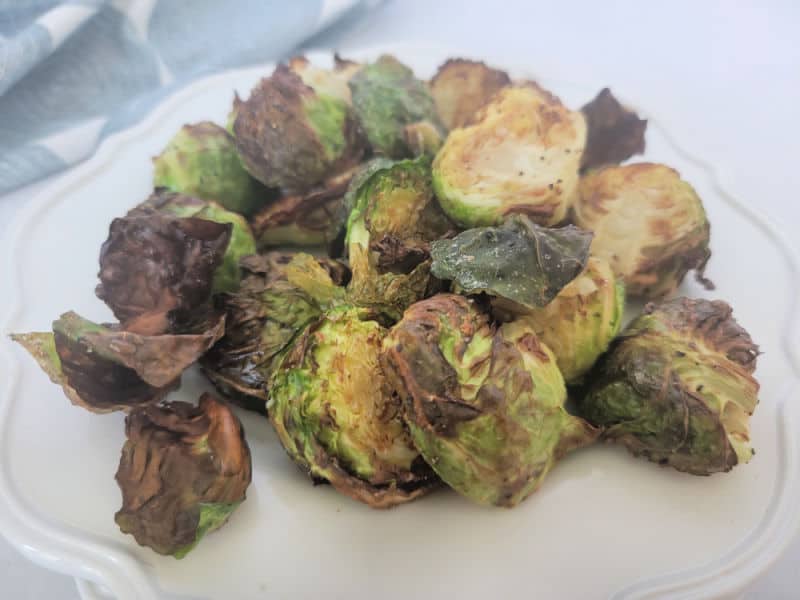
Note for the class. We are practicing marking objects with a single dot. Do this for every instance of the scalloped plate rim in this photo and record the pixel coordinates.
(63, 549)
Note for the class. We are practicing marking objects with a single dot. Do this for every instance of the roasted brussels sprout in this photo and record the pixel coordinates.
(103, 368)
(614, 132)
(461, 87)
(387, 98)
(648, 223)
(519, 263)
(183, 471)
(393, 219)
(580, 322)
(521, 154)
(202, 161)
(484, 406)
(677, 387)
(336, 417)
(293, 137)
(156, 271)
(280, 294)
(313, 218)
(241, 244)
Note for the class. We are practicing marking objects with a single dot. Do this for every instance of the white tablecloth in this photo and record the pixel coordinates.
(736, 63)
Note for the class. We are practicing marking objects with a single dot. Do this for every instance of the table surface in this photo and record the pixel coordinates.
(737, 63)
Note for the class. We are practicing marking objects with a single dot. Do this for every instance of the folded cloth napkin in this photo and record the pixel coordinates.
(74, 71)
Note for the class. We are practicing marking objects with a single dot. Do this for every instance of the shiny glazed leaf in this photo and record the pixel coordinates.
(518, 261)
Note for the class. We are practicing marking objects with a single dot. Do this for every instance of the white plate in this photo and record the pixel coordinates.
(603, 524)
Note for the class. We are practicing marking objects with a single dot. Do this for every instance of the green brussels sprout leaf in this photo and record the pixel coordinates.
(518, 261)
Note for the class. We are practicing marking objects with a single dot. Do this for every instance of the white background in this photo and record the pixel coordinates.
(733, 66)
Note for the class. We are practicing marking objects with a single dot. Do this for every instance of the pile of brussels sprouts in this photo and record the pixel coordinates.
(410, 279)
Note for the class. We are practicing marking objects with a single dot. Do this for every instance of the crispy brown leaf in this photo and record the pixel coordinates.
(614, 132)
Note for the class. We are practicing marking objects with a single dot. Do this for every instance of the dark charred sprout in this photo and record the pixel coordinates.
(241, 244)
(386, 99)
(522, 265)
(202, 161)
(648, 223)
(461, 87)
(484, 405)
(184, 470)
(677, 387)
(337, 418)
(157, 271)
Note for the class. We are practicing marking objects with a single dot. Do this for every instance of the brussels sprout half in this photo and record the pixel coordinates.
(484, 406)
(184, 469)
(522, 265)
(521, 154)
(386, 99)
(281, 293)
(677, 387)
(337, 418)
(393, 219)
(461, 87)
(580, 322)
(292, 137)
(648, 224)
(202, 161)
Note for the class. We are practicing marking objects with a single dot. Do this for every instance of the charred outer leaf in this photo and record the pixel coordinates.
(614, 133)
